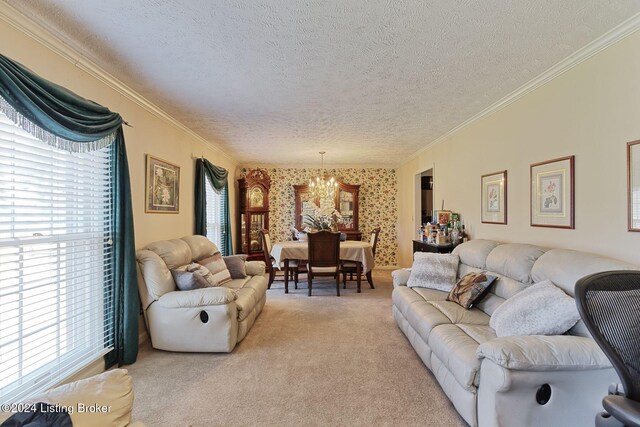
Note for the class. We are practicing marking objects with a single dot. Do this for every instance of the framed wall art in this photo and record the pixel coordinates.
(552, 193)
(633, 185)
(162, 194)
(442, 217)
(494, 198)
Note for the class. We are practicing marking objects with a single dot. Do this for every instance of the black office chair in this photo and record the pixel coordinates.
(609, 304)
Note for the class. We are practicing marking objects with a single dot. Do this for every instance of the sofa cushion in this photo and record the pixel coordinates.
(197, 298)
(457, 351)
(474, 252)
(435, 271)
(480, 333)
(457, 314)
(174, 253)
(237, 266)
(112, 389)
(564, 267)
(403, 297)
(200, 246)
(218, 268)
(470, 288)
(514, 260)
(420, 314)
(431, 294)
(506, 287)
(541, 309)
(250, 291)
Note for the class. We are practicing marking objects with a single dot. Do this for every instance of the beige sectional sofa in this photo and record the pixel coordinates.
(506, 381)
(200, 320)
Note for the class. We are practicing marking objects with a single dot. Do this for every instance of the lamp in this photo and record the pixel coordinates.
(321, 186)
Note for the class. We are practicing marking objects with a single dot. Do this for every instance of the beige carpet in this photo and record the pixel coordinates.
(310, 361)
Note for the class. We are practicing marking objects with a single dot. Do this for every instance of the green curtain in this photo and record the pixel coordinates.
(219, 178)
(68, 121)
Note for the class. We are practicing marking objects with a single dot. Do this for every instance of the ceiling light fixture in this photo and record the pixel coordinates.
(322, 187)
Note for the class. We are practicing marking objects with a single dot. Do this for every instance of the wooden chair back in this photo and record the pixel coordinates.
(324, 249)
(266, 246)
(374, 239)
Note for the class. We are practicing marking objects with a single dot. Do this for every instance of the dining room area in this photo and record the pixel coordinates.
(319, 231)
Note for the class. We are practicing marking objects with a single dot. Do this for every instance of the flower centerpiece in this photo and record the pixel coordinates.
(326, 218)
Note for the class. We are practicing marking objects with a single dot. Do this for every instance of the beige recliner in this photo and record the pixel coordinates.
(200, 320)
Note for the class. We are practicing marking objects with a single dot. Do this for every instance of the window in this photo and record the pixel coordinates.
(216, 230)
(55, 261)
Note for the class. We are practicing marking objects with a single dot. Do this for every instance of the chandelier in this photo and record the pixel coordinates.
(322, 187)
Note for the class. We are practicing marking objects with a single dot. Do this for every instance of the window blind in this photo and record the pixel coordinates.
(55, 261)
(216, 229)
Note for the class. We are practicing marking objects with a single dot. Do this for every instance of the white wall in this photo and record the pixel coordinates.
(149, 134)
(591, 111)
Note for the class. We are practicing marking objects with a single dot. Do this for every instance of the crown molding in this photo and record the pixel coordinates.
(611, 37)
(43, 36)
(314, 166)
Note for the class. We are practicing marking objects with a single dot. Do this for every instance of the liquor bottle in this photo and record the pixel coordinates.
(464, 237)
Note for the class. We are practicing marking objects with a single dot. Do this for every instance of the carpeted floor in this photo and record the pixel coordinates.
(311, 361)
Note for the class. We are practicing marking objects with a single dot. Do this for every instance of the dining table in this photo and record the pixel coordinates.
(350, 250)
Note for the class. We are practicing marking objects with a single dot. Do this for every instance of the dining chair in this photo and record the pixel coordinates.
(324, 257)
(270, 262)
(351, 267)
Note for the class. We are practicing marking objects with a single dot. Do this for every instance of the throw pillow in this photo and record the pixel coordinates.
(193, 276)
(236, 266)
(540, 309)
(470, 289)
(435, 271)
(216, 265)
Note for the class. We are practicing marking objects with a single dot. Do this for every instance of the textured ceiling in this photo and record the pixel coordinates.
(370, 82)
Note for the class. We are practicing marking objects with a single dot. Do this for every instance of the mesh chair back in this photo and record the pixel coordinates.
(609, 304)
(374, 239)
(324, 249)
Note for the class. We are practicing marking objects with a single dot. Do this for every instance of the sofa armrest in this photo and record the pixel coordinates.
(197, 297)
(255, 268)
(400, 277)
(544, 353)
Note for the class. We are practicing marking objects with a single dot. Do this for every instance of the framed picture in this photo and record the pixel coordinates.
(552, 193)
(494, 198)
(162, 192)
(442, 217)
(633, 185)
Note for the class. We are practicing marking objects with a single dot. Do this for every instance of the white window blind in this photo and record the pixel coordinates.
(215, 215)
(55, 261)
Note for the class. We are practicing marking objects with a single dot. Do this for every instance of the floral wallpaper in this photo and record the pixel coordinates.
(377, 203)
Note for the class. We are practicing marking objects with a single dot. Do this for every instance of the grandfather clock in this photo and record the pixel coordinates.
(254, 212)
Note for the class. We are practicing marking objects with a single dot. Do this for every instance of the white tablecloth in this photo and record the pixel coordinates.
(350, 250)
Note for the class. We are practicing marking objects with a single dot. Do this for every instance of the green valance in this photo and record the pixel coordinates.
(39, 106)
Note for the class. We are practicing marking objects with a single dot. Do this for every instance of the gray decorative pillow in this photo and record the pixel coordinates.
(435, 271)
(216, 265)
(540, 309)
(193, 276)
(236, 266)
